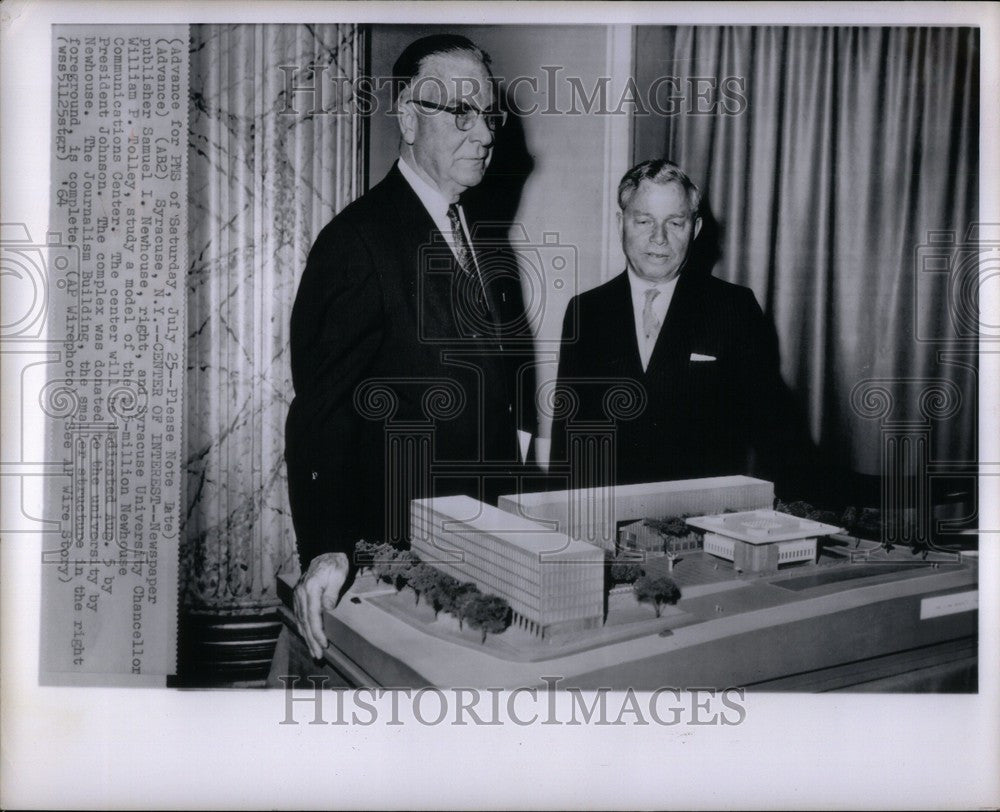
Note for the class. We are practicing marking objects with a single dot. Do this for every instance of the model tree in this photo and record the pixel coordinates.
(624, 571)
(382, 561)
(849, 521)
(488, 613)
(363, 555)
(797, 508)
(401, 568)
(657, 591)
(869, 523)
(866, 524)
(368, 554)
(423, 580)
(673, 527)
(465, 596)
(447, 594)
(436, 594)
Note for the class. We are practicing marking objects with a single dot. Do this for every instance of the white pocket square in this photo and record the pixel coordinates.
(697, 356)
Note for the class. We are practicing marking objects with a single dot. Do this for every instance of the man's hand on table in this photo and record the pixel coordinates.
(318, 589)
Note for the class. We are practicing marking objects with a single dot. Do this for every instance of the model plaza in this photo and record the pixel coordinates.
(554, 580)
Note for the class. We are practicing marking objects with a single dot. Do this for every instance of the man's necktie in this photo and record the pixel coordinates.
(650, 323)
(462, 249)
(463, 253)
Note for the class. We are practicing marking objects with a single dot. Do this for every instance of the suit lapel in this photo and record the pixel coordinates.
(487, 249)
(619, 314)
(439, 287)
(415, 224)
(491, 308)
(427, 264)
(672, 348)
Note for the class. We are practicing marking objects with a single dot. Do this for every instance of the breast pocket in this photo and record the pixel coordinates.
(706, 385)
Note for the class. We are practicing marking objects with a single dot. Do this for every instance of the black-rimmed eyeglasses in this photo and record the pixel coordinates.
(466, 115)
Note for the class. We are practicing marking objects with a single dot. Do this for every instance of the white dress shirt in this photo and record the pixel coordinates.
(639, 286)
(437, 207)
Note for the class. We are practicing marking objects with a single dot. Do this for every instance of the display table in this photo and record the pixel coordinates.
(893, 625)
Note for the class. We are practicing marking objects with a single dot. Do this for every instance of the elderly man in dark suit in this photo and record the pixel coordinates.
(411, 354)
(693, 352)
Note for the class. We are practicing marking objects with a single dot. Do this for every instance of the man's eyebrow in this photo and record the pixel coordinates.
(462, 106)
(672, 216)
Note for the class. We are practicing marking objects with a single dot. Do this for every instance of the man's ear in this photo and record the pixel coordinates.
(697, 228)
(407, 119)
(621, 224)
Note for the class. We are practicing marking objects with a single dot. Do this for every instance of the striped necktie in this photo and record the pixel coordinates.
(463, 251)
(466, 260)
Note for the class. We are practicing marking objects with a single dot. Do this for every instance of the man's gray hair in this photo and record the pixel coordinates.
(659, 171)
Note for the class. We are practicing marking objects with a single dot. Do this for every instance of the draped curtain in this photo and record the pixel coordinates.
(263, 181)
(853, 153)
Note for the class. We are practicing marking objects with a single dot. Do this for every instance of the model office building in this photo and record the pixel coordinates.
(553, 583)
(594, 515)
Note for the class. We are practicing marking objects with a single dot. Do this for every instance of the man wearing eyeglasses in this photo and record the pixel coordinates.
(407, 321)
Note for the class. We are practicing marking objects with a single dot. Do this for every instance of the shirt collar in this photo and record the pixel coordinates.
(435, 202)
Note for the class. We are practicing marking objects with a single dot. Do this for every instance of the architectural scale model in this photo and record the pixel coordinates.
(761, 540)
(829, 620)
(552, 582)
